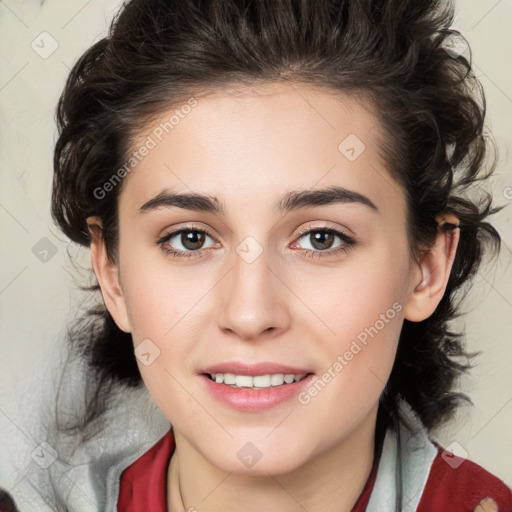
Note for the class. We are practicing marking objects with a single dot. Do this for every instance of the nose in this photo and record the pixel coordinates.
(254, 299)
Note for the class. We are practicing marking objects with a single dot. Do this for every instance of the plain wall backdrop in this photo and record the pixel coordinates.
(41, 40)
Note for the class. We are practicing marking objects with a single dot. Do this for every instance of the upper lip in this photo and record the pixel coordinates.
(263, 368)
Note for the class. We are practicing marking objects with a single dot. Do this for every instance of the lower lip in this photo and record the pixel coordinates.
(254, 400)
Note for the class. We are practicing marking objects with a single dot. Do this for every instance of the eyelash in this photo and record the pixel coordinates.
(348, 242)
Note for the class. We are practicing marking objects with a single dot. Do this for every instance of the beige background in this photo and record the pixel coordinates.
(37, 297)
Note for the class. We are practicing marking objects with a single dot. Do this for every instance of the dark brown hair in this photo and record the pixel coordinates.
(394, 52)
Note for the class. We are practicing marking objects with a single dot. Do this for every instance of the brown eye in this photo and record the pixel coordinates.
(322, 240)
(183, 243)
(192, 240)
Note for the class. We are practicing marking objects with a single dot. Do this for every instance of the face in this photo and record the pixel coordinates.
(269, 284)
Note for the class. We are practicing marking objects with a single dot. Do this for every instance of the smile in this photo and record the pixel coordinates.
(255, 393)
(256, 381)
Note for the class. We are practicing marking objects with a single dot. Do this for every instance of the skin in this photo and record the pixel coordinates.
(286, 306)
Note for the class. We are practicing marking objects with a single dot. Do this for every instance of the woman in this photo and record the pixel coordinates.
(274, 194)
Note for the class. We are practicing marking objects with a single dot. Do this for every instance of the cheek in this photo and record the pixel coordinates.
(164, 306)
(365, 293)
(361, 311)
(159, 295)
(358, 359)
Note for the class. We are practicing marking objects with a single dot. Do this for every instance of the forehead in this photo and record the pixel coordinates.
(258, 142)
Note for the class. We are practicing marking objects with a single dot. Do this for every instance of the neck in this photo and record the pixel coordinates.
(330, 482)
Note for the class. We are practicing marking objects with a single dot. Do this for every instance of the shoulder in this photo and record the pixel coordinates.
(459, 485)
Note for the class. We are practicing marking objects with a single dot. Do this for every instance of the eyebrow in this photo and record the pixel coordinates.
(290, 201)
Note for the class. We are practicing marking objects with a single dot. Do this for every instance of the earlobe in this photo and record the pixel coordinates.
(434, 268)
(107, 274)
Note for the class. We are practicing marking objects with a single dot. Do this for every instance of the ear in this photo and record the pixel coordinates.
(107, 274)
(433, 271)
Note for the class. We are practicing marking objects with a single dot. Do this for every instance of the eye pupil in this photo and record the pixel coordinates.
(192, 239)
(318, 236)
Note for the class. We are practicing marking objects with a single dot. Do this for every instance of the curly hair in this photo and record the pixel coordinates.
(395, 53)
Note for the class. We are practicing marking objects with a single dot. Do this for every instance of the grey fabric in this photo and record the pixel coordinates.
(416, 454)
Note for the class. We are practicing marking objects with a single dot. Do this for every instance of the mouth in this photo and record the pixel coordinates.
(255, 381)
(254, 387)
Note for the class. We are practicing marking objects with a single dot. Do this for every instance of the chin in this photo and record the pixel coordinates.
(257, 459)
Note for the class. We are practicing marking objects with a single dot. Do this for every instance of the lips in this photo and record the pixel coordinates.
(256, 398)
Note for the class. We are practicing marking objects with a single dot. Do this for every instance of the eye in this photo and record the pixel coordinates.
(191, 241)
(322, 240)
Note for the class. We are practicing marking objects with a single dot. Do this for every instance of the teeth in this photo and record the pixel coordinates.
(228, 378)
(256, 382)
(277, 379)
(262, 381)
(243, 381)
